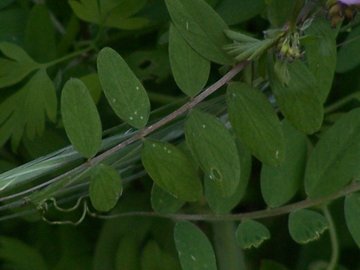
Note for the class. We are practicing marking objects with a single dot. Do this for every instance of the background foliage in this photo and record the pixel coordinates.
(105, 124)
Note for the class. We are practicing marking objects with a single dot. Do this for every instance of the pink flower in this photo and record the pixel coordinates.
(350, 2)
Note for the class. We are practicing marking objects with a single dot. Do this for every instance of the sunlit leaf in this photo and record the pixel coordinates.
(190, 70)
(80, 117)
(255, 123)
(327, 171)
(352, 216)
(105, 187)
(215, 150)
(280, 184)
(299, 100)
(194, 249)
(25, 111)
(251, 234)
(123, 90)
(163, 202)
(201, 27)
(171, 170)
(306, 225)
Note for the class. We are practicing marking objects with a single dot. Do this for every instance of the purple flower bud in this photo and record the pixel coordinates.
(350, 2)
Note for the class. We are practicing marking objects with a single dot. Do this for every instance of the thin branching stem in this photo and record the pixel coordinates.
(334, 240)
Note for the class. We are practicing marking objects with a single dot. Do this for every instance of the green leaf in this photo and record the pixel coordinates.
(190, 70)
(16, 66)
(271, 265)
(5, 3)
(321, 54)
(153, 258)
(163, 202)
(348, 56)
(279, 11)
(235, 12)
(123, 90)
(25, 110)
(223, 204)
(299, 101)
(215, 150)
(194, 249)
(40, 40)
(92, 83)
(352, 215)
(127, 254)
(255, 123)
(280, 184)
(80, 117)
(327, 171)
(111, 13)
(105, 188)
(201, 27)
(251, 234)
(171, 170)
(306, 225)
(20, 256)
(12, 22)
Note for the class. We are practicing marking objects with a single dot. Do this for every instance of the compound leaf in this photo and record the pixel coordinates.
(251, 234)
(352, 215)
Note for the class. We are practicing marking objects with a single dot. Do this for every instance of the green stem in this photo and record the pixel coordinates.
(229, 255)
(334, 241)
(338, 104)
(272, 212)
(66, 57)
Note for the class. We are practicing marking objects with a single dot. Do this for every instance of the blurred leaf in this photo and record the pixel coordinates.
(25, 110)
(110, 13)
(80, 118)
(153, 258)
(321, 54)
(105, 188)
(5, 3)
(12, 24)
(21, 256)
(40, 35)
(163, 202)
(123, 90)
(171, 170)
(150, 64)
(194, 249)
(280, 184)
(251, 234)
(271, 265)
(352, 215)
(299, 101)
(279, 11)
(223, 204)
(128, 253)
(16, 66)
(328, 171)
(92, 83)
(306, 225)
(215, 149)
(255, 123)
(348, 56)
(235, 11)
(201, 27)
(190, 70)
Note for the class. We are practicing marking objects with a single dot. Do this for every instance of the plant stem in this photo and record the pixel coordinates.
(338, 104)
(333, 238)
(240, 216)
(67, 57)
(229, 255)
